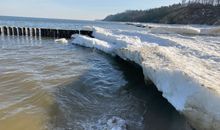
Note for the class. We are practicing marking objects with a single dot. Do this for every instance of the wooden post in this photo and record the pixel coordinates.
(24, 32)
(37, 32)
(28, 31)
(15, 31)
(10, 30)
(5, 30)
(44, 32)
(33, 32)
(19, 31)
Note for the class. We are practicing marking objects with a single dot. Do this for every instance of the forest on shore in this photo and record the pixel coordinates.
(188, 12)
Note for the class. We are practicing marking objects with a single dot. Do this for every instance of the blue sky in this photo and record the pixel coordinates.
(75, 9)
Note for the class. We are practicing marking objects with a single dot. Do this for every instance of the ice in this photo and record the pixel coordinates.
(92, 43)
(187, 29)
(185, 68)
(120, 40)
(61, 40)
(211, 31)
(87, 28)
(180, 29)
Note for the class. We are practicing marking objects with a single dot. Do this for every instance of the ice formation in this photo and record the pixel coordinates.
(185, 68)
(93, 43)
(180, 29)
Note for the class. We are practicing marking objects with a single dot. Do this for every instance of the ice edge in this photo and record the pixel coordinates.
(198, 102)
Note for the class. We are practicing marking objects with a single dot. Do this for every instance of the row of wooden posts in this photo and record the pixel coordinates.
(43, 32)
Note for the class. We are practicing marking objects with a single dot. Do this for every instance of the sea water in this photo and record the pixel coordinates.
(49, 86)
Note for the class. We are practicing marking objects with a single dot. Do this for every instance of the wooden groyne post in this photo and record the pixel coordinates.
(43, 32)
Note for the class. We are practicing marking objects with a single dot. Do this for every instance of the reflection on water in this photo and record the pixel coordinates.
(44, 85)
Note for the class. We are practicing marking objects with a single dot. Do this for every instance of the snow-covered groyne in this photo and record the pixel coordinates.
(186, 69)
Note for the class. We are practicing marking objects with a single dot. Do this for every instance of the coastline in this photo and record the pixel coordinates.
(195, 98)
(191, 13)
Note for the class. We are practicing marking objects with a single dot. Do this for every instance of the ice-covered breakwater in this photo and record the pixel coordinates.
(43, 32)
(185, 68)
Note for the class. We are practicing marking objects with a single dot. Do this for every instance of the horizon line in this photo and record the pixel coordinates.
(33, 17)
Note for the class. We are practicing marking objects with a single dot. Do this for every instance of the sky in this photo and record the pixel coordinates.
(75, 9)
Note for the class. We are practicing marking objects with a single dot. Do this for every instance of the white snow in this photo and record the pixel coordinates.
(210, 31)
(185, 68)
(180, 29)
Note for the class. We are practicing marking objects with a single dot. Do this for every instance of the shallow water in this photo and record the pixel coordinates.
(50, 86)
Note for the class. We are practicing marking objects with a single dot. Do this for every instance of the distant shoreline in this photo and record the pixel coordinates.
(175, 14)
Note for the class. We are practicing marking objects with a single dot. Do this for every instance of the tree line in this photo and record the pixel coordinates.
(193, 12)
(205, 2)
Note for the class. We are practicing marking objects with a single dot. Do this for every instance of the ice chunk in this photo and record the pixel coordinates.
(92, 43)
(61, 40)
(87, 28)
